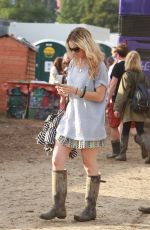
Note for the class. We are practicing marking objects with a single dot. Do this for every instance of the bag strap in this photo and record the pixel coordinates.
(134, 80)
(66, 103)
(94, 85)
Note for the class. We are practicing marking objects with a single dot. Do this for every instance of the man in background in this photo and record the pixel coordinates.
(115, 77)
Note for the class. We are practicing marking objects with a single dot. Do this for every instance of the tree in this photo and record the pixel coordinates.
(4, 9)
(27, 11)
(106, 14)
(69, 12)
(102, 13)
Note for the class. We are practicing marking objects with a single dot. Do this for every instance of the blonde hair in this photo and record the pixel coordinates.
(84, 40)
(133, 62)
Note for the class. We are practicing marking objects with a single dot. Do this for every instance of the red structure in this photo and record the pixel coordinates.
(17, 63)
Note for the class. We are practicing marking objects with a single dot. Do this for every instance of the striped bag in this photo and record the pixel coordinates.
(46, 137)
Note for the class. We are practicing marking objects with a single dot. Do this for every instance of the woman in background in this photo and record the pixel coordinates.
(65, 63)
(122, 107)
(56, 71)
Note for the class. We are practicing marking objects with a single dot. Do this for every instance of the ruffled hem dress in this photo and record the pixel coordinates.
(83, 124)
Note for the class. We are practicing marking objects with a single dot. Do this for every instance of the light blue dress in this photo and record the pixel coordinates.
(84, 120)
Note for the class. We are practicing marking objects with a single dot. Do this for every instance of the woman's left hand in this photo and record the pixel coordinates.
(117, 114)
(66, 89)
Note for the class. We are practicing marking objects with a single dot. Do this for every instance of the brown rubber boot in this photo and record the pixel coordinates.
(145, 210)
(123, 148)
(138, 140)
(146, 143)
(59, 193)
(92, 190)
(115, 149)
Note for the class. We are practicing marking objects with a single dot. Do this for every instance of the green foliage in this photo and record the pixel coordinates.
(70, 12)
(26, 11)
(102, 13)
(4, 9)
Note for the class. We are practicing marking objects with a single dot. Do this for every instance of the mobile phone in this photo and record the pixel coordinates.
(61, 85)
(57, 84)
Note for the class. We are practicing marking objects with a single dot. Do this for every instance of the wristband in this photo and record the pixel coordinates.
(82, 95)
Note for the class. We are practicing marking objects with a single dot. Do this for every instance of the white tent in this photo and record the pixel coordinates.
(33, 32)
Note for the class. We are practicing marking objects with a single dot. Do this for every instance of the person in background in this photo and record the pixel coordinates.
(114, 58)
(56, 71)
(109, 64)
(123, 110)
(83, 124)
(115, 78)
(65, 64)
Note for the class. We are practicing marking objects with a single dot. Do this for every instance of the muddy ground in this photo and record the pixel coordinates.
(25, 184)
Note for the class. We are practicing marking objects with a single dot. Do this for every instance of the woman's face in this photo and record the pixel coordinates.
(75, 50)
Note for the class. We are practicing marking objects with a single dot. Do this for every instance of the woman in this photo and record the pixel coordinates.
(65, 64)
(122, 106)
(83, 124)
(56, 71)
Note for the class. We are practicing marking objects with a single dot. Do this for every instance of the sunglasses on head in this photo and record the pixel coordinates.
(75, 49)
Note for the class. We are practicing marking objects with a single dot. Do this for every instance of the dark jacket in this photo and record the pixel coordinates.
(125, 92)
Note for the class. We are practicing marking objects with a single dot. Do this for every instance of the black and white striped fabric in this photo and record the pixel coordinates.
(46, 137)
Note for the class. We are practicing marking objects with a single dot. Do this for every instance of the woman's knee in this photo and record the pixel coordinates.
(59, 157)
(56, 162)
(89, 157)
(90, 167)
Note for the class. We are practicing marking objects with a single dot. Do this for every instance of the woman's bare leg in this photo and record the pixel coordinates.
(60, 155)
(89, 157)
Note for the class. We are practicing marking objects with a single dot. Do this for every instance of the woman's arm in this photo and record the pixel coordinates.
(97, 96)
(112, 87)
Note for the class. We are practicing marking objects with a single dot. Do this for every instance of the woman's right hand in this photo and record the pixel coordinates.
(64, 90)
(59, 91)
